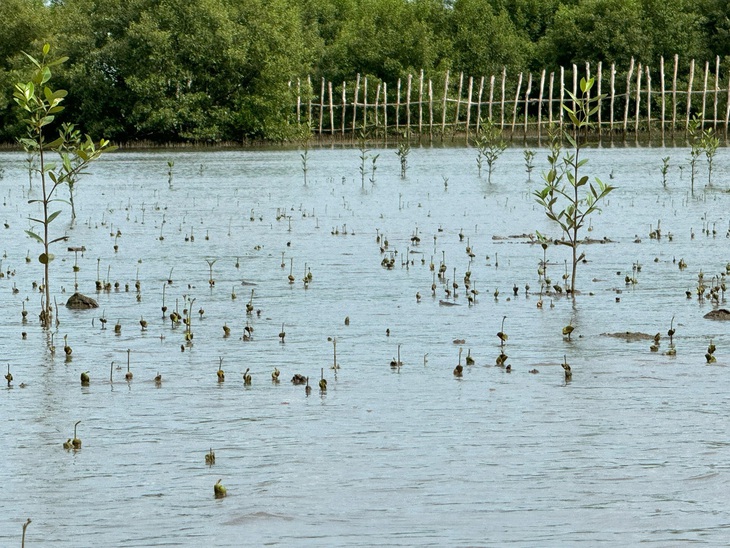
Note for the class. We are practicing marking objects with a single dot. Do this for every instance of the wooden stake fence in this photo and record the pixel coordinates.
(633, 104)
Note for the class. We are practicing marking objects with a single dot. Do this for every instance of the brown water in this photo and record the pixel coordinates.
(636, 449)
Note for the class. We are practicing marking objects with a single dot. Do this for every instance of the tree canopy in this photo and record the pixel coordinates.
(223, 70)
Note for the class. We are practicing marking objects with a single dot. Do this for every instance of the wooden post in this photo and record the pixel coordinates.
(704, 93)
(491, 95)
(408, 105)
(575, 86)
(663, 99)
(648, 100)
(638, 100)
(344, 107)
(385, 109)
(599, 78)
(354, 105)
(443, 108)
(527, 100)
(365, 105)
(299, 100)
(727, 110)
(539, 105)
(517, 98)
(628, 95)
(689, 93)
(674, 93)
(588, 76)
(479, 106)
(397, 110)
(716, 91)
(430, 110)
(504, 80)
(550, 101)
(613, 94)
(332, 110)
(468, 106)
(310, 92)
(321, 106)
(458, 104)
(377, 104)
(562, 96)
(420, 105)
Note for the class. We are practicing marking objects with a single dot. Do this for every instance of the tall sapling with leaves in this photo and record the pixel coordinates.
(40, 104)
(565, 203)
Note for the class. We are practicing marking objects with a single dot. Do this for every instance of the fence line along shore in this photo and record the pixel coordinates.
(521, 107)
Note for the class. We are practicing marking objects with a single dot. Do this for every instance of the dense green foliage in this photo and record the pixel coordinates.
(214, 70)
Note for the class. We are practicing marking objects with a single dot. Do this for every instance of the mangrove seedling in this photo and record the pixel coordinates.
(469, 359)
(170, 165)
(247, 377)
(40, 105)
(568, 329)
(67, 445)
(210, 458)
(249, 304)
(275, 375)
(501, 334)
(282, 334)
(76, 442)
(710, 355)
(672, 349)
(143, 323)
(218, 490)
(404, 149)
(128, 375)
(395, 362)
(709, 143)
(563, 203)
(490, 146)
(66, 348)
(322, 381)
(308, 389)
(9, 376)
(25, 526)
(362, 146)
(459, 369)
(665, 171)
(85, 378)
(220, 373)
(211, 280)
(226, 331)
(529, 166)
(695, 142)
(158, 378)
(333, 340)
(566, 368)
(655, 345)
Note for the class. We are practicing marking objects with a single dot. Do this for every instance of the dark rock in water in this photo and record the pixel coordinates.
(77, 301)
(719, 314)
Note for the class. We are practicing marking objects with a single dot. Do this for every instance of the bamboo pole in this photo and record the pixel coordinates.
(527, 101)
(354, 105)
(539, 105)
(613, 94)
(562, 96)
(420, 105)
(638, 100)
(310, 91)
(344, 106)
(430, 110)
(704, 93)
(504, 81)
(377, 104)
(365, 105)
(332, 109)
(299, 100)
(517, 98)
(648, 100)
(716, 91)
(385, 109)
(599, 78)
(479, 105)
(491, 95)
(408, 105)
(550, 101)
(628, 95)
(397, 109)
(458, 105)
(663, 98)
(727, 109)
(321, 106)
(468, 106)
(575, 86)
(689, 92)
(588, 76)
(443, 108)
(674, 93)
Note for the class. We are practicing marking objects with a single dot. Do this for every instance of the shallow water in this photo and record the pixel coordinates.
(634, 450)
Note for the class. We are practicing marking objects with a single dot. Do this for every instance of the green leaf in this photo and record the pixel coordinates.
(61, 239)
(34, 235)
(53, 216)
